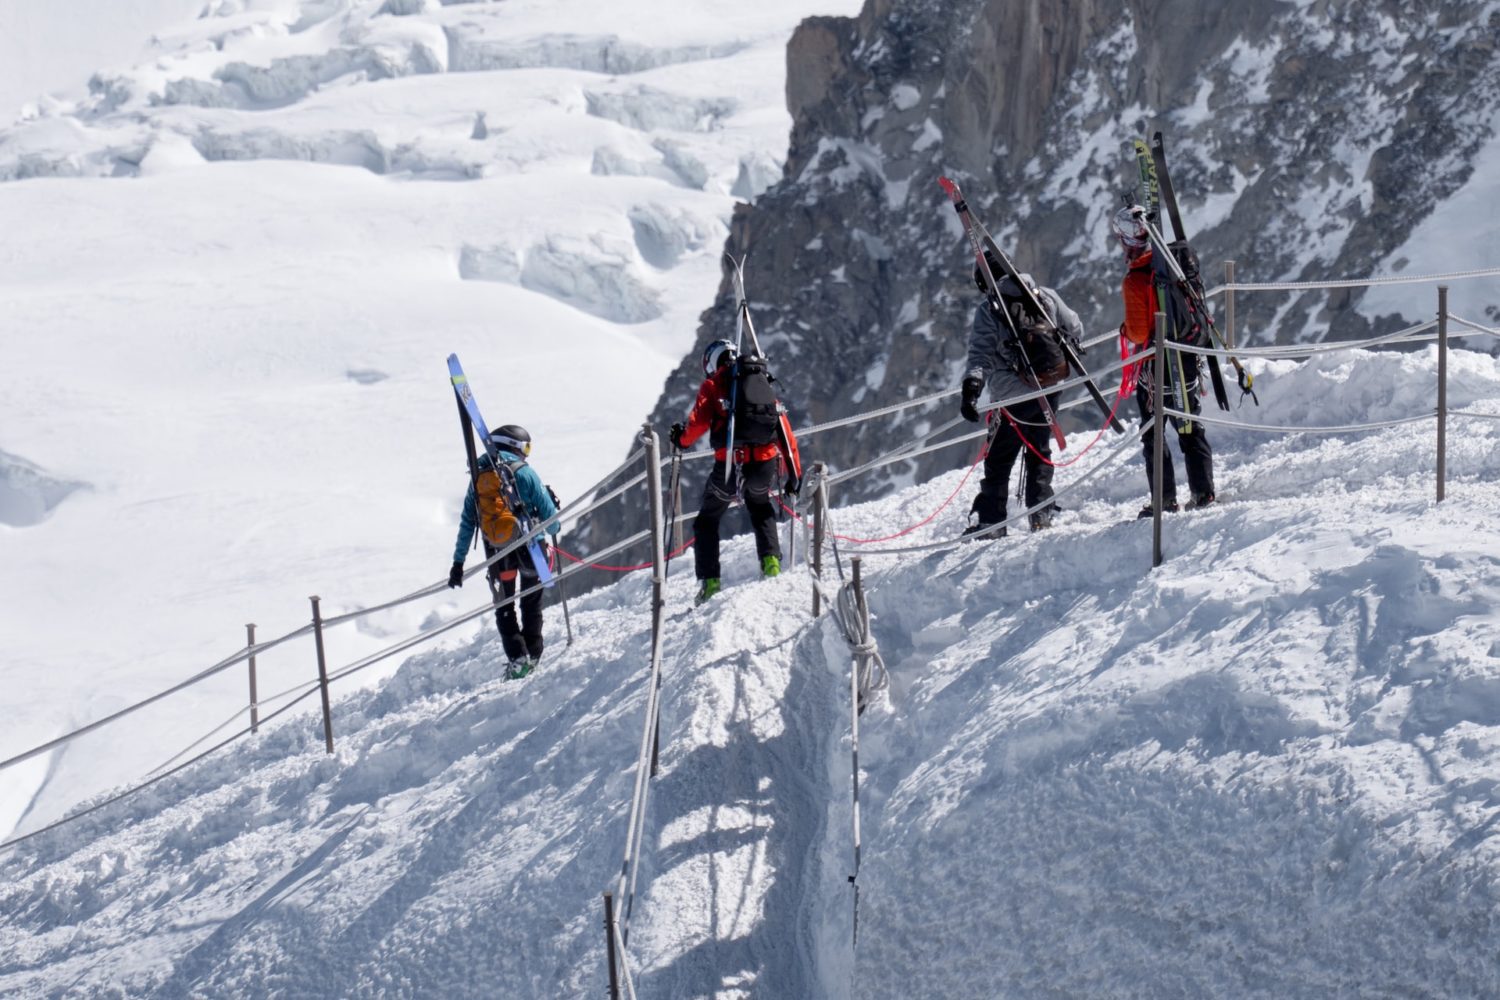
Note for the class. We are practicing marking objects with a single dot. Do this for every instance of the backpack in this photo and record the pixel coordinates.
(1036, 343)
(757, 414)
(1184, 321)
(494, 496)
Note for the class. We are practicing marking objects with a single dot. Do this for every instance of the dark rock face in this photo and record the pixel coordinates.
(1305, 140)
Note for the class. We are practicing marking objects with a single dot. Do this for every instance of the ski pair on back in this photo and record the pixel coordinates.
(504, 516)
(987, 250)
(1181, 262)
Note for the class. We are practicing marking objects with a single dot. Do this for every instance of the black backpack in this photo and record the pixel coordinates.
(1036, 344)
(757, 415)
(1185, 323)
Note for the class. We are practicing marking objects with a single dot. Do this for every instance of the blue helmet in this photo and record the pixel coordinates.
(716, 354)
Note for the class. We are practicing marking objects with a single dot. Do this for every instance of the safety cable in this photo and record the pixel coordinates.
(622, 569)
(149, 781)
(1474, 326)
(1278, 429)
(1119, 449)
(906, 531)
(1291, 351)
(1240, 286)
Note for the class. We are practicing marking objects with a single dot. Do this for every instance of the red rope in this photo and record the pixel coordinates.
(984, 450)
(1063, 465)
(620, 569)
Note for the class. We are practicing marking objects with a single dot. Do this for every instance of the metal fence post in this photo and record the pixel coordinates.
(857, 707)
(820, 521)
(1158, 428)
(658, 565)
(322, 674)
(254, 701)
(609, 943)
(1442, 400)
(1229, 304)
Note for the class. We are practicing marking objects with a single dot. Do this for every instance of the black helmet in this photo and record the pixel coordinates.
(513, 437)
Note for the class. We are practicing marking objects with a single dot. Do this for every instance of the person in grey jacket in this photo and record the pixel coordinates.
(1016, 352)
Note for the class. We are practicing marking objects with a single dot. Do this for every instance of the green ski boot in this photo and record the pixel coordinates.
(710, 588)
(770, 566)
(519, 668)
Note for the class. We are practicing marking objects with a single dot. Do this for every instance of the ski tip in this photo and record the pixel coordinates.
(948, 185)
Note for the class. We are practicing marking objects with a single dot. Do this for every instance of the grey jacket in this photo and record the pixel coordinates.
(994, 355)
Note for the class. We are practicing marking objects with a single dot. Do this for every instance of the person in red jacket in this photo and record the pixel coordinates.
(1148, 286)
(752, 474)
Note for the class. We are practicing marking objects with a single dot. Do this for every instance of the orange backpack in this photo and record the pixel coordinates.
(492, 499)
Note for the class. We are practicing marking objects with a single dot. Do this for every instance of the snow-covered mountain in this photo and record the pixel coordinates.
(1307, 141)
(230, 273)
(1265, 769)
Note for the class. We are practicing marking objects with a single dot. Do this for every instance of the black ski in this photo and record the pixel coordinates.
(1179, 232)
(979, 240)
(1074, 361)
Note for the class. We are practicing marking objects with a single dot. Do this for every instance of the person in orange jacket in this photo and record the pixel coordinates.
(1148, 285)
(760, 443)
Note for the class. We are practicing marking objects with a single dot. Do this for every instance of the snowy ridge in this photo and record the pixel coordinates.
(1265, 769)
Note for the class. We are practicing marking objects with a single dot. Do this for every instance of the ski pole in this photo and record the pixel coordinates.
(562, 591)
(674, 508)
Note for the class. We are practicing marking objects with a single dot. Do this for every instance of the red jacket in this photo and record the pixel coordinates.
(710, 414)
(1139, 291)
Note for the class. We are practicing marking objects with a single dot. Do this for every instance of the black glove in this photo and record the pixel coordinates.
(675, 435)
(792, 486)
(456, 575)
(553, 494)
(971, 389)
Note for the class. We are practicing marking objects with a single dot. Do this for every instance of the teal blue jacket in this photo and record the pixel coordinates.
(533, 494)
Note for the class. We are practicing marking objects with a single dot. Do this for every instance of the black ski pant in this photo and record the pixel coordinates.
(756, 480)
(522, 638)
(1183, 379)
(1009, 440)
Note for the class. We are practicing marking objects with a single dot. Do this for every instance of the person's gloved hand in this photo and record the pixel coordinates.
(971, 389)
(792, 486)
(456, 575)
(675, 435)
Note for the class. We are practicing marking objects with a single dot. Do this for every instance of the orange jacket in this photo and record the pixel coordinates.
(1139, 291)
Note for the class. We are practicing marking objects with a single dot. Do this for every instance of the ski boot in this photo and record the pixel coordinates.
(1170, 507)
(709, 589)
(519, 668)
(1201, 500)
(770, 566)
(979, 526)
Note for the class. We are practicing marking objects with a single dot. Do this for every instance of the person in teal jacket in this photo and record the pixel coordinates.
(523, 639)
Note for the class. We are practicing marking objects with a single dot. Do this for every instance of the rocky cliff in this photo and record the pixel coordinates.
(1307, 140)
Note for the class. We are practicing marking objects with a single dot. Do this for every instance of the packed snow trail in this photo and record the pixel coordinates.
(1265, 769)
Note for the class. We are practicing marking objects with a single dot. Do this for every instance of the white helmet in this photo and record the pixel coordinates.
(1129, 228)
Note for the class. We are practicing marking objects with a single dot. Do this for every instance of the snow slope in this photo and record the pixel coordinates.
(45, 57)
(1265, 769)
(230, 275)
